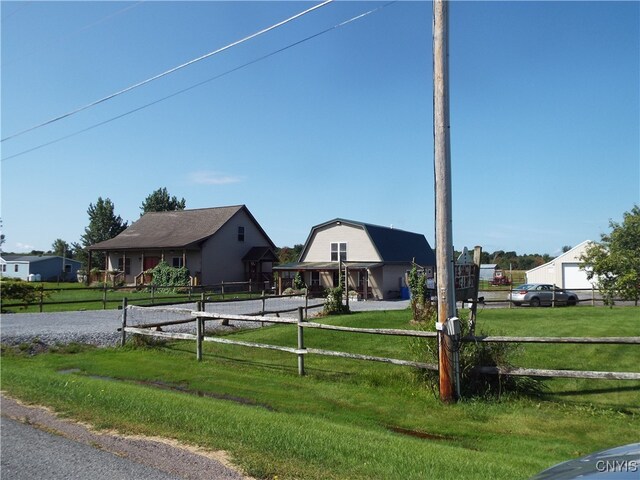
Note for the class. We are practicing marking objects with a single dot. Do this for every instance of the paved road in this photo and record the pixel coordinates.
(38, 445)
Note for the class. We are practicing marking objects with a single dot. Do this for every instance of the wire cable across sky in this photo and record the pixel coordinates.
(199, 84)
(167, 72)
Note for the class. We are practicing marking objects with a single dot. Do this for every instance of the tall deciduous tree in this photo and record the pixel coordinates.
(614, 262)
(161, 201)
(61, 248)
(103, 225)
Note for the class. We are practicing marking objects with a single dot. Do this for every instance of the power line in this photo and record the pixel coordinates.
(175, 94)
(167, 72)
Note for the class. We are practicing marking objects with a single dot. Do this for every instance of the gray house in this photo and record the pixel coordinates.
(375, 258)
(214, 244)
(47, 268)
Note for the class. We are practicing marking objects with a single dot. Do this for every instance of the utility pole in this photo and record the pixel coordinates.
(442, 160)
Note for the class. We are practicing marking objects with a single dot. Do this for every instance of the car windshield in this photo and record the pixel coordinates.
(526, 286)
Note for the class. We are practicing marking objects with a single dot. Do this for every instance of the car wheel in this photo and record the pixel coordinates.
(572, 301)
(534, 302)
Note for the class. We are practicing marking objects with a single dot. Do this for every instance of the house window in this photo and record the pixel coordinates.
(67, 268)
(127, 265)
(338, 252)
(178, 262)
(315, 279)
(241, 234)
(4, 268)
(15, 268)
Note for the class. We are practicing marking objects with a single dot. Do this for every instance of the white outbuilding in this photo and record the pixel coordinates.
(563, 271)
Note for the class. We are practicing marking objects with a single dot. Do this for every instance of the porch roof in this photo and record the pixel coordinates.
(326, 265)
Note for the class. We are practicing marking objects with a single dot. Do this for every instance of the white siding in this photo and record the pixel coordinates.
(359, 246)
(563, 271)
(16, 269)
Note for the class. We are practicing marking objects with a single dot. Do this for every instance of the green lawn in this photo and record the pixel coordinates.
(63, 297)
(348, 418)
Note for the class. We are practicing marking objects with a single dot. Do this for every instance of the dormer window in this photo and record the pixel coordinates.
(241, 234)
(338, 252)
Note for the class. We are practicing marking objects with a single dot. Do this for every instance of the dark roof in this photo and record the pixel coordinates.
(178, 229)
(392, 244)
(257, 254)
(34, 258)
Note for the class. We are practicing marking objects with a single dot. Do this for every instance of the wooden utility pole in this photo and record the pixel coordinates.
(442, 159)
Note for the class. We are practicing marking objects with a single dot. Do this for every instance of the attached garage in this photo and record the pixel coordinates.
(563, 271)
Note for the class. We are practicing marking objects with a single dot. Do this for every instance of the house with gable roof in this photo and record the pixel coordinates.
(375, 258)
(214, 244)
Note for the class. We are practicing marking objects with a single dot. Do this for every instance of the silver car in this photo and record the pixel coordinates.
(537, 294)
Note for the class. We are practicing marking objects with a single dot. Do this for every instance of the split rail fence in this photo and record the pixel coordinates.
(199, 317)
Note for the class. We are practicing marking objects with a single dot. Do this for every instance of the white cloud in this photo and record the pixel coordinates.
(213, 178)
(24, 246)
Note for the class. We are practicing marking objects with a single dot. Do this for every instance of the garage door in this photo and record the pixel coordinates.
(573, 277)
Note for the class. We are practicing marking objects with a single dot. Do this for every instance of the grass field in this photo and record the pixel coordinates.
(346, 418)
(70, 296)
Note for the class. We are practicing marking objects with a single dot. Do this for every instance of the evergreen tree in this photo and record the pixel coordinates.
(161, 201)
(103, 225)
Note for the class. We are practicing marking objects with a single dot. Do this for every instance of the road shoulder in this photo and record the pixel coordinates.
(163, 454)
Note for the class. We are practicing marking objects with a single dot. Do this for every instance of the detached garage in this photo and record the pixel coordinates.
(563, 271)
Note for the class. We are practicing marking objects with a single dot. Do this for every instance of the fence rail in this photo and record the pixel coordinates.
(200, 317)
(111, 296)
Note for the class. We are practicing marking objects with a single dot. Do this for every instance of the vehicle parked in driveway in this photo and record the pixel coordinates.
(538, 294)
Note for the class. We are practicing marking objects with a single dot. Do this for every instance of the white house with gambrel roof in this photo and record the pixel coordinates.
(374, 257)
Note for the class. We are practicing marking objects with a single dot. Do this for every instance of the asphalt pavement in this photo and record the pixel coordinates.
(36, 445)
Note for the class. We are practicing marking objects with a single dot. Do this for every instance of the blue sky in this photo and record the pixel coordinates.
(545, 116)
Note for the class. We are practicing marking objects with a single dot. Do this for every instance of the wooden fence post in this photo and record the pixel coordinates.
(104, 295)
(199, 334)
(300, 342)
(124, 322)
(222, 289)
(553, 296)
(153, 294)
(593, 296)
(306, 303)
(41, 297)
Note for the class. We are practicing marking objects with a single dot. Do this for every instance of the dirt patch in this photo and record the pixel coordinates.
(418, 434)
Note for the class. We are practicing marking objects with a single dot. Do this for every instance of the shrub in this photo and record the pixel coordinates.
(17, 289)
(333, 303)
(169, 278)
(421, 307)
(298, 282)
(471, 355)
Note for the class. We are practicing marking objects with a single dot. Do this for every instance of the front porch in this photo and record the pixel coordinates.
(318, 276)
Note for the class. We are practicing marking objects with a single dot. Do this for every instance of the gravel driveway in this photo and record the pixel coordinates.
(99, 327)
